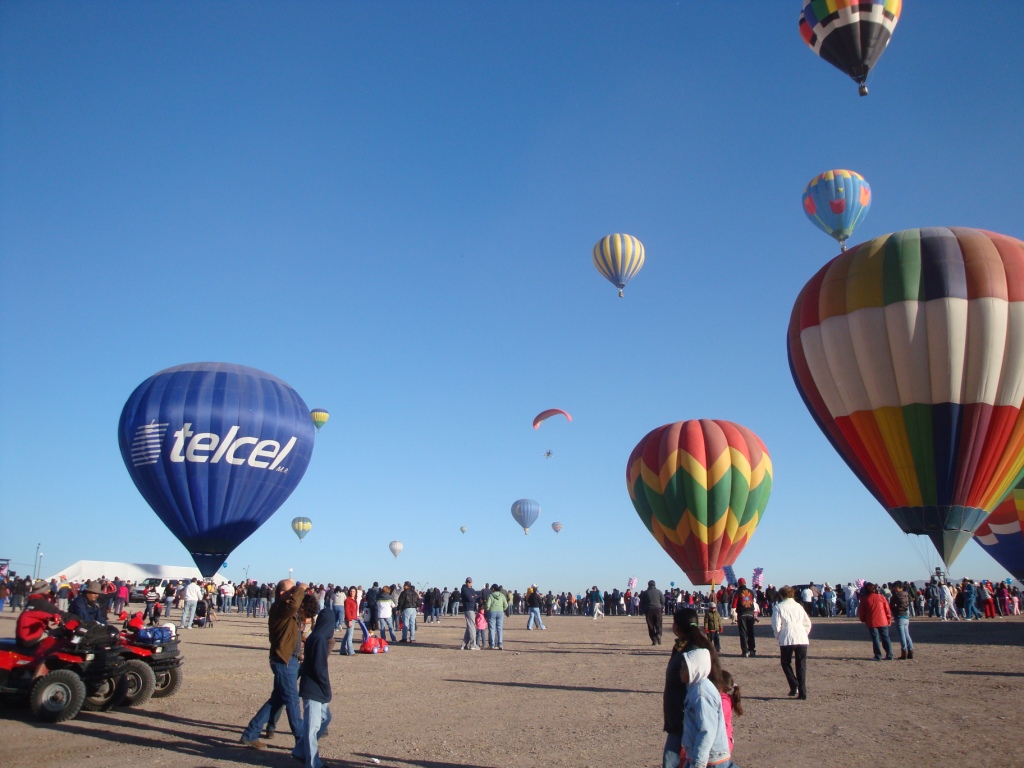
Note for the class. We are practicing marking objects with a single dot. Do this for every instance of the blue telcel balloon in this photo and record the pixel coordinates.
(526, 512)
(215, 449)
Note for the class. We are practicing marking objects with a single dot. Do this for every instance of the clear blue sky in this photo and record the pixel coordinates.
(392, 208)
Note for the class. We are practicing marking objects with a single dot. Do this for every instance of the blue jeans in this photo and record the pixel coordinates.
(385, 625)
(317, 718)
(285, 693)
(880, 635)
(495, 624)
(673, 748)
(534, 619)
(409, 624)
(339, 617)
(903, 624)
(188, 613)
(346, 644)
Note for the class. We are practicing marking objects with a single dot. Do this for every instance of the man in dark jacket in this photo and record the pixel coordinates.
(87, 606)
(408, 602)
(284, 664)
(743, 603)
(470, 597)
(315, 689)
(652, 604)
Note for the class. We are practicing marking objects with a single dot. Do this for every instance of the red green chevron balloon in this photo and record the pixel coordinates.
(700, 487)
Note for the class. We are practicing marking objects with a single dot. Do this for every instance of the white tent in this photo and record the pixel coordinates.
(84, 570)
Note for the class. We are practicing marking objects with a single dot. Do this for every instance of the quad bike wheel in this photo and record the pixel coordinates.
(168, 683)
(141, 683)
(108, 693)
(57, 696)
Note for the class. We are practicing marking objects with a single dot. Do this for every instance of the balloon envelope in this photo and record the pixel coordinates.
(302, 526)
(526, 512)
(543, 416)
(908, 350)
(463, 529)
(1002, 533)
(320, 417)
(396, 548)
(618, 258)
(836, 202)
(700, 487)
(215, 449)
(850, 36)
(556, 527)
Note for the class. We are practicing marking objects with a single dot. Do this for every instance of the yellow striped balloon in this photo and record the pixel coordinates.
(302, 526)
(320, 417)
(618, 258)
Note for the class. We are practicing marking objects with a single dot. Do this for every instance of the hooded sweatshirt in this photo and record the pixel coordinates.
(705, 738)
(315, 682)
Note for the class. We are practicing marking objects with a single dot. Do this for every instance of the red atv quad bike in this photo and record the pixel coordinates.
(77, 667)
(158, 649)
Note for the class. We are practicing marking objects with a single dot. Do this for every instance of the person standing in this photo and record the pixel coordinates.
(743, 603)
(713, 626)
(408, 602)
(874, 612)
(351, 611)
(533, 603)
(315, 689)
(497, 604)
(900, 606)
(468, 597)
(385, 610)
(652, 604)
(193, 594)
(792, 627)
(596, 602)
(284, 664)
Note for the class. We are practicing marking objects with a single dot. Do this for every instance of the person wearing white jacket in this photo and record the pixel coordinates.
(792, 627)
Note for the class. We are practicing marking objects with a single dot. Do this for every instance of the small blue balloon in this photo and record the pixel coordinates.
(671, 583)
(225, 564)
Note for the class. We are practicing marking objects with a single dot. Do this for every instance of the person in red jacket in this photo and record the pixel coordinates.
(34, 622)
(874, 611)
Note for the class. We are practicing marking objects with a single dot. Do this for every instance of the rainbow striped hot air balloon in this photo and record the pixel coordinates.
(618, 258)
(700, 487)
(1002, 533)
(320, 417)
(908, 351)
(836, 202)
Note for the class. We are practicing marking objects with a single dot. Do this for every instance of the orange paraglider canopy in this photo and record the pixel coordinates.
(545, 415)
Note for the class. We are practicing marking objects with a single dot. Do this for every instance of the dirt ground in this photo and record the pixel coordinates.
(581, 693)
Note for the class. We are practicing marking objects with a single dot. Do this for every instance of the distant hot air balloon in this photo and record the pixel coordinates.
(396, 548)
(320, 417)
(836, 202)
(556, 527)
(700, 487)
(543, 416)
(463, 529)
(215, 449)
(850, 36)
(1002, 533)
(302, 526)
(908, 350)
(526, 512)
(618, 258)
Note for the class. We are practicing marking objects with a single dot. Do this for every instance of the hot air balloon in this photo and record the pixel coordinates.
(700, 487)
(215, 449)
(463, 529)
(908, 350)
(618, 258)
(836, 202)
(543, 416)
(1002, 533)
(526, 512)
(302, 526)
(556, 527)
(850, 36)
(320, 417)
(396, 548)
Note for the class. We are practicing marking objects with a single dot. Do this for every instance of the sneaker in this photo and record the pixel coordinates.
(270, 732)
(753, 653)
(254, 744)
